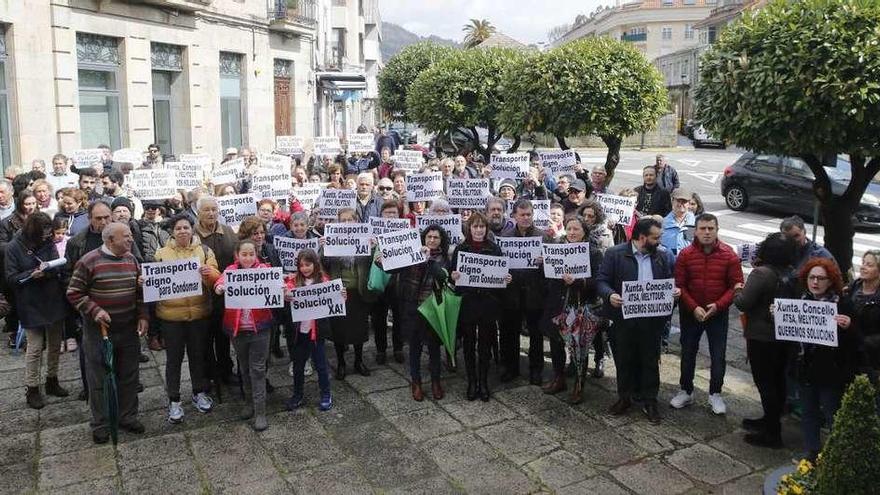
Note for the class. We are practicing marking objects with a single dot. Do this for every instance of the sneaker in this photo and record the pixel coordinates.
(326, 403)
(175, 413)
(290, 369)
(681, 399)
(308, 370)
(203, 402)
(71, 345)
(717, 403)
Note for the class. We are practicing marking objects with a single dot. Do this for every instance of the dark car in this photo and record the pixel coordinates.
(785, 184)
(461, 138)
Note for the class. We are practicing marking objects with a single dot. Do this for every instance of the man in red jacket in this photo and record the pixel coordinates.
(707, 272)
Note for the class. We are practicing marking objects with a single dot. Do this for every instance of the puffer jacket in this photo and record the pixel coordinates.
(195, 307)
(153, 237)
(707, 278)
(262, 318)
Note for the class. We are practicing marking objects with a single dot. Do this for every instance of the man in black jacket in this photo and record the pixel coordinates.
(652, 199)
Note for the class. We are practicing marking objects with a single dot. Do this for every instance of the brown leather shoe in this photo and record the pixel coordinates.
(417, 393)
(620, 407)
(556, 385)
(154, 344)
(437, 390)
(577, 394)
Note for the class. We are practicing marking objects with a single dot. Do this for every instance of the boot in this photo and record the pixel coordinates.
(437, 390)
(556, 385)
(154, 344)
(577, 393)
(34, 399)
(260, 422)
(599, 370)
(417, 393)
(473, 389)
(247, 409)
(276, 343)
(54, 389)
(483, 382)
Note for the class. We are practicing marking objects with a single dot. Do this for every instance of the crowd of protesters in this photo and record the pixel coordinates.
(105, 233)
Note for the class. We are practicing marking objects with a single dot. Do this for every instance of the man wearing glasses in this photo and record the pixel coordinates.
(386, 189)
(154, 157)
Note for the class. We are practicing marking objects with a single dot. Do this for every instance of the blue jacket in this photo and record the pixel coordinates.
(620, 265)
(811, 250)
(675, 238)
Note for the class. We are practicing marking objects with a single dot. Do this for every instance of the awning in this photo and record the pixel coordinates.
(342, 80)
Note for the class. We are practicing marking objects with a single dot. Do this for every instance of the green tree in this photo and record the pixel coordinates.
(401, 70)
(476, 32)
(802, 79)
(594, 86)
(463, 90)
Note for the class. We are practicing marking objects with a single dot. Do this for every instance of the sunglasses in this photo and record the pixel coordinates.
(384, 188)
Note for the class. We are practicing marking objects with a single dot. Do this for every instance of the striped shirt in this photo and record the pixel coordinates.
(101, 280)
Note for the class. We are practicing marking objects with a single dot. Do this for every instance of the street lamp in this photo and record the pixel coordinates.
(682, 90)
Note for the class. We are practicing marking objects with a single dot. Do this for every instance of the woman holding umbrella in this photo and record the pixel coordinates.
(567, 319)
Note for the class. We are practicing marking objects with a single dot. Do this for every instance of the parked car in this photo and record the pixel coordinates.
(408, 132)
(461, 138)
(785, 184)
(701, 137)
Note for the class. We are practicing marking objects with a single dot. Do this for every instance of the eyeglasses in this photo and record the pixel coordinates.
(817, 278)
(384, 188)
(154, 151)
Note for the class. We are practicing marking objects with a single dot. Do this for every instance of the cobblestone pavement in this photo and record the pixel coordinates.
(376, 439)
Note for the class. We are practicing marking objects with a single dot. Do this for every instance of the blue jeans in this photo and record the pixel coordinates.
(691, 333)
(303, 348)
(817, 400)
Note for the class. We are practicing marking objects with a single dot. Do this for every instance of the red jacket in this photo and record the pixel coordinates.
(232, 316)
(707, 278)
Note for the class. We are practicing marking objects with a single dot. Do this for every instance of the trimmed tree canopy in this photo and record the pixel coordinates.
(402, 69)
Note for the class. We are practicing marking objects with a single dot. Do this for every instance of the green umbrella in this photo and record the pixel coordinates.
(441, 311)
(111, 397)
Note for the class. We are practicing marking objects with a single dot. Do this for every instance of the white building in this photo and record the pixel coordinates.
(190, 75)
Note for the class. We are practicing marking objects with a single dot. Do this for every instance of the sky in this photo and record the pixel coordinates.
(527, 21)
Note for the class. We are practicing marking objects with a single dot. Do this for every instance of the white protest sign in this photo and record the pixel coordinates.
(229, 172)
(810, 322)
(171, 280)
(648, 298)
(61, 181)
(254, 288)
(87, 158)
(289, 145)
(153, 184)
(572, 258)
(308, 194)
(288, 248)
(326, 145)
(361, 143)
(541, 209)
(620, 208)
(236, 207)
(522, 252)
(410, 160)
(273, 184)
(317, 301)
(347, 239)
(469, 194)
(747, 252)
(333, 200)
(274, 162)
(509, 165)
(379, 225)
(450, 223)
(188, 174)
(128, 155)
(424, 187)
(559, 161)
(400, 249)
(480, 270)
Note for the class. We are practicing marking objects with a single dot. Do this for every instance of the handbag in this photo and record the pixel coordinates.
(378, 279)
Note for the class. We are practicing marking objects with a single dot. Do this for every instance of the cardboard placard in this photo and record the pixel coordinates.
(571, 258)
(424, 187)
(621, 208)
(400, 249)
(450, 223)
(128, 155)
(289, 145)
(810, 322)
(541, 213)
(480, 270)
(317, 301)
(379, 225)
(361, 143)
(236, 207)
(273, 184)
(153, 184)
(326, 145)
(87, 158)
(560, 162)
(333, 200)
(254, 288)
(189, 174)
(229, 172)
(308, 194)
(347, 239)
(171, 280)
(509, 166)
(409, 160)
(747, 252)
(288, 249)
(647, 299)
(522, 252)
(468, 194)
(61, 181)
(275, 162)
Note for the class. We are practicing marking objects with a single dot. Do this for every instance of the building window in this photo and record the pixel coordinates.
(5, 141)
(689, 2)
(688, 31)
(230, 99)
(337, 47)
(167, 63)
(712, 34)
(98, 71)
(666, 33)
(668, 3)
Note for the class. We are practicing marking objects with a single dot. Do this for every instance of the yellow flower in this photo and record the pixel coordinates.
(797, 490)
(804, 466)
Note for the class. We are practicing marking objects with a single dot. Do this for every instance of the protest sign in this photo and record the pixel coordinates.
(347, 239)
(317, 301)
(571, 258)
(747, 252)
(509, 165)
(288, 248)
(87, 158)
(424, 187)
(153, 184)
(410, 160)
(541, 216)
(326, 145)
(469, 194)
(522, 252)
(361, 143)
(289, 145)
(379, 225)
(308, 194)
(480, 270)
(620, 208)
(647, 298)
(400, 249)
(273, 184)
(333, 200)
(560, 162)
(188, 174)
(61, 181)
(254, 288)
(236, 207)
(450, 223)
(171, 280)
(810, 322)
(267, 161)
(229, 172)
(129, 155)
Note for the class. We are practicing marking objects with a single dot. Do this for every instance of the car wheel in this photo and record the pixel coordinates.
(736, 198)
(697, 144)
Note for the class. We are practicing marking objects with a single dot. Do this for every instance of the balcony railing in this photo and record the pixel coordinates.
(300, 11)
(632, 38)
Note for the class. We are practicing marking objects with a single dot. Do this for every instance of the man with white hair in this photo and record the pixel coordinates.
(368, 203)
(7, 205)
(38, 165)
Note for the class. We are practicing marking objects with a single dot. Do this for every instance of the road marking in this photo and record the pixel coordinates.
(724, 233)
(710, 177)
(689, 163)
(769, 230)
(721, 213)
(631, 172)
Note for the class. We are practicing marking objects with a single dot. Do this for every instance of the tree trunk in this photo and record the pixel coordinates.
(562, 144)
(837, 218)
(612, 159)
(515, 146)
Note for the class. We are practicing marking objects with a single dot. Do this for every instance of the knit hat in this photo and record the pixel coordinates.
(507, 183)
(123, 201)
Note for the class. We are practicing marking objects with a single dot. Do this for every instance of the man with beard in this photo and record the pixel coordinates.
(636, 341)
(652, 199)
(495, 215)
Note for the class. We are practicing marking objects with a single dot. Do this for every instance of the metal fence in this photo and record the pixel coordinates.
(301, 11)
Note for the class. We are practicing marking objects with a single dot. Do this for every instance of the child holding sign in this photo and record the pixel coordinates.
(308, 336)
(249, 330)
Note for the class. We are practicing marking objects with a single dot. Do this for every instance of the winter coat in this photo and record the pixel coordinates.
(620, 265)
(583, 291)
(222, 241)
(654, 201)
(667, 178)
(867, 312)
(262, 318)
(39, 301)
(153, 237)
(755, 299)
(526, 290)
(194, 307)
(372, 208)
(357, 165)
(8, 227)
(478, 303)
(676, 237)
(707, 278)
(77, 247)
(322, 330)
(811, 250)
(832, 366)
(71, 218)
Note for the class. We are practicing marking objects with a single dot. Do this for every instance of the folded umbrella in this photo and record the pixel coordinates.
(111, 394)
(441, 311)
